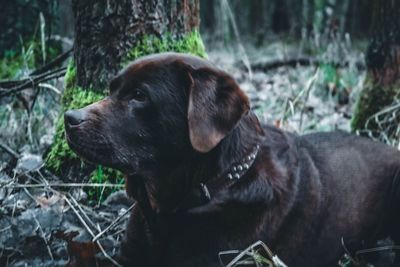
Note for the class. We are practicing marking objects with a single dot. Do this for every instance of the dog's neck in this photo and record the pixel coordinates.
(175, 183)
(236, 146)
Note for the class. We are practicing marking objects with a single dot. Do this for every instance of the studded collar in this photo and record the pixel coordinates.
(204, 192)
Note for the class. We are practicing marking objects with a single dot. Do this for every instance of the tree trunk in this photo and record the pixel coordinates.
(107, 30)
(382, 85)
(109, 34)
(358, 18)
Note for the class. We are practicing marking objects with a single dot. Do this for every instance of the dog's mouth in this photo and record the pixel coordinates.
(92, 151)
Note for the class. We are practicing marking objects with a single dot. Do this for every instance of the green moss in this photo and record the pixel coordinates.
(104, 175)
(190, 43)
(70, 75)
(61, 156)
(371, 100)
(10, 67)
(73, 98)
(60, 151)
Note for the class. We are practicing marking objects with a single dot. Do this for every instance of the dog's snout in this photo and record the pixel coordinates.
(74, 117)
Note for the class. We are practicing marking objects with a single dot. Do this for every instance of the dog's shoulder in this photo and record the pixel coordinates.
(278, 137)
(327, 137)
(282, 145)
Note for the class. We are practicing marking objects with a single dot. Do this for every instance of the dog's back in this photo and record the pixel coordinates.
(357, 175)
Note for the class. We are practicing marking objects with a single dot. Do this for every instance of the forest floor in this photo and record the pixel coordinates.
(45, 222)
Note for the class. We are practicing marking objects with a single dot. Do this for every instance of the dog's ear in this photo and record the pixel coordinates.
(115, 83)
(216, 105)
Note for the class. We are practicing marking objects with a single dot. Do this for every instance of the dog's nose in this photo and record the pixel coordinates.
(74, 117)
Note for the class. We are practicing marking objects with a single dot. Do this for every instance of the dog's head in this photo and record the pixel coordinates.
(161, 109)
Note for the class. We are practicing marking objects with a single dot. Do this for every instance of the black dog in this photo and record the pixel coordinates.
(208, 177)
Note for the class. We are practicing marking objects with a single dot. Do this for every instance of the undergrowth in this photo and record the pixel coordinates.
(15, 64)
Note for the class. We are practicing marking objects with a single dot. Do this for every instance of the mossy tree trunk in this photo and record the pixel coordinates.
(382, 84)
(107, 30)
(109, 34)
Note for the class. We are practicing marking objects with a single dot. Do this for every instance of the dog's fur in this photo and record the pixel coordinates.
(173, 121)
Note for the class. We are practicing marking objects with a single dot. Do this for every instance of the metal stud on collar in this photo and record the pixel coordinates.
(237, 170)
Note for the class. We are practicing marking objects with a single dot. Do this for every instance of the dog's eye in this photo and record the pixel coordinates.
(139, 96)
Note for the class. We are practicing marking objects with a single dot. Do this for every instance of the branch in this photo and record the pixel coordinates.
(32, 81)
(298, 61)
(9, 150)
(54, 63)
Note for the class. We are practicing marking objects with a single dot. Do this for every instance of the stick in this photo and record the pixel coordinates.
(299, 61)
(17, 185)
(91, 233)
(81, 210)
(9, 150)
(113, 223)
(55, 62)
(44, 237)
(79, 217)
(32, 81)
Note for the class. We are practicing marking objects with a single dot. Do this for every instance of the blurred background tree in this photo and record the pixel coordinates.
(375, 111)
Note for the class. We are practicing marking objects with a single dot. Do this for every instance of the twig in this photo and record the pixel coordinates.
(299, 61)
(81, 210)
(377, 249)
(14, 83)
(32, 81)
(79, 216)
(113, 223)
(44, 237)
(276, 261)
(91, 233)
(17, 185)
(5, 229)
(107, 256)
(55, 62)
(51, 87)
(9, 150)
(30, 195)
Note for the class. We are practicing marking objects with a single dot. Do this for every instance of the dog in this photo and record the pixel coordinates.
(208, 177)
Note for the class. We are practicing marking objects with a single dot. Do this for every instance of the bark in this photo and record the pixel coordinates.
(383, 65)
(106, 30)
